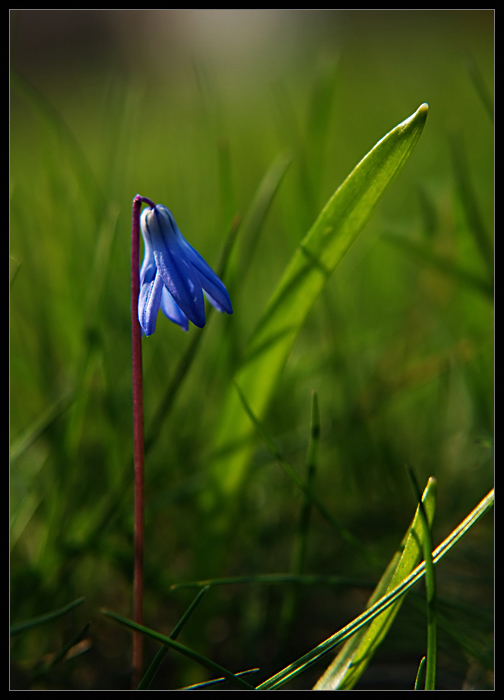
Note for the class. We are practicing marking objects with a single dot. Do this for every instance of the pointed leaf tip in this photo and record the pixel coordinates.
(423, 110)
(419, 116)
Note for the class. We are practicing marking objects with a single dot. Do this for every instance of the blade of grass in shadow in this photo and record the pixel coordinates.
(254, 218)
(479, 85)
(150, 674)
(332, 234)
(54, 122)
(305, 579)
(47, 617)
(470, 206)
(225, 183)
(349, 665)
(297, 667)
(216, 681)
(305, 487)
(309, 142)
(14, 269)
(76, 645)
(40, 425)
(319, 117)
(186, 651)
(91, 343)
(429, 214)
(291, 599)
(424, 254)
(311, 468)
(291, 133)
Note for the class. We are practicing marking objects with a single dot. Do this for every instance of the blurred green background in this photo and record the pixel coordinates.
(191, 109)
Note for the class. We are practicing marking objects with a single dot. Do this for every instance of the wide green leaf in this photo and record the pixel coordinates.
(351, 662)
(314, 261)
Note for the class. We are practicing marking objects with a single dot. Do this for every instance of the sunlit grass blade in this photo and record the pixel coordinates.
(353, 659)
(186, 651)
(418, 679)
(150, 674)
(297, 667)
(43, 619)
(430, 585)
(332, 234)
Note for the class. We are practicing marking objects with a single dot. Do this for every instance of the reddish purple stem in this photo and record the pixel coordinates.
(138, 438)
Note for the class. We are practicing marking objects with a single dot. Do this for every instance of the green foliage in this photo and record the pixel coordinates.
(357, 653)
(387, 325)
(316, 258)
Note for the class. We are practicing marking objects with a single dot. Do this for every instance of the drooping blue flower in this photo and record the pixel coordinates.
(174, 276)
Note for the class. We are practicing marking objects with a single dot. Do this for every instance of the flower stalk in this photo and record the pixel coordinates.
(138, 439)
(176, 279)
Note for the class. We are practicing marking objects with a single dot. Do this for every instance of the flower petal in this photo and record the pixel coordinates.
(149, 301)
(179, 276)
(216, 292)
(172, 311)
(174, 276)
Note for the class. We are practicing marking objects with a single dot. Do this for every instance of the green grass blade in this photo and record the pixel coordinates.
(353, 659)
(156, 662)
(480, 86)
(470, 206)
(430, 584)
(55, 124)
(275, 579)
(419, 675)
(332, 234)
(66, 649)
(423, 254)
(39, 426)
(186, 651)
(255, 217)
(42, 619)
(300, 665)
(311, 468)
(305, 486)
(291, 600)
(216, 681)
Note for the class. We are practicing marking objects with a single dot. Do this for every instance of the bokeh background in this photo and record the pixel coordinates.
(191, 108)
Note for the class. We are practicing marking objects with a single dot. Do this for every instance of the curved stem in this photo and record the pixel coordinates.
(138, 438)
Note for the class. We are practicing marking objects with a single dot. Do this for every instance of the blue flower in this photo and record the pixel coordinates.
(174, 276)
